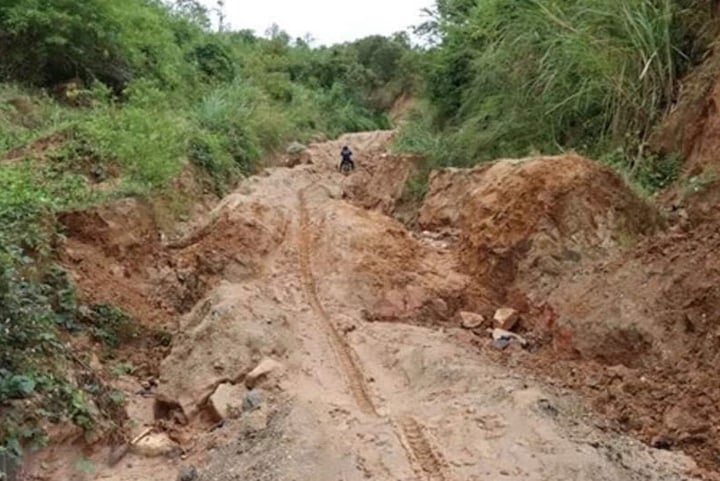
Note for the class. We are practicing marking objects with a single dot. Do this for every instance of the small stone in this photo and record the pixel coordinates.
(154, 445)
(502, 334)
(501, 343)
(506, 318)
(188, 473)
(264, 369)
(252, 401)
(227, 400)
(471, 320)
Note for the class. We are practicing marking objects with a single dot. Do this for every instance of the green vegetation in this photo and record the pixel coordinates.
(101, 100)
(513, 78)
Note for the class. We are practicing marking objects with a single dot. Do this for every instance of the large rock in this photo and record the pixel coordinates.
(226, 402)
(297, 154)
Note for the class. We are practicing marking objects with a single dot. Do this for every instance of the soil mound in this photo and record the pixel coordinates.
(388, 273)
(107, 252)
(648, 323)
(524, 223)
(379, 182)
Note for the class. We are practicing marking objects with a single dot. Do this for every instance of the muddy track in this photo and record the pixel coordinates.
(343, 352)
(427, 463)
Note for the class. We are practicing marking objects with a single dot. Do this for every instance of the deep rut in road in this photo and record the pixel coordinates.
(343, 352)
(426, 462)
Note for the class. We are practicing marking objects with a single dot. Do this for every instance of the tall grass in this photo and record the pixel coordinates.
(550, 75)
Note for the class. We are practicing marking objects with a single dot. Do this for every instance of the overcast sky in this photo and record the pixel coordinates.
(327, 21)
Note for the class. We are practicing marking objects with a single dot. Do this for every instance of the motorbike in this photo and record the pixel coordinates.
(346, 167)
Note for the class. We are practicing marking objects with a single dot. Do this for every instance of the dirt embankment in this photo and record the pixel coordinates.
(524, 224)
(621, 308)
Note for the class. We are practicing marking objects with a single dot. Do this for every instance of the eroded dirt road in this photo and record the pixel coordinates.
(355, 400)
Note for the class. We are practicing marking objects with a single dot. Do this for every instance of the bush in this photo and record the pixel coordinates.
(145, 136)
(512, 78)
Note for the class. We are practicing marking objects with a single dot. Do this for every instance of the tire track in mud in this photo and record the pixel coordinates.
(343, 352)
(425, 460)
(427, 463)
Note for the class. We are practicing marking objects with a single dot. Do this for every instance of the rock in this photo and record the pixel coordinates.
(471, 320)
(188, 473)
(154, 445)
(506, 318)
(501, 343)
(500, 335)
(265, 368)
(227, 400)
(252, 401)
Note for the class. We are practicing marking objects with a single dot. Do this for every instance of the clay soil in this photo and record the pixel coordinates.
(379, 380)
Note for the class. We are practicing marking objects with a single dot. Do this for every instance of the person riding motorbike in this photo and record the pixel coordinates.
(346, 157)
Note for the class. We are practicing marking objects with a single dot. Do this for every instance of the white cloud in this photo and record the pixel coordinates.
(327, 21)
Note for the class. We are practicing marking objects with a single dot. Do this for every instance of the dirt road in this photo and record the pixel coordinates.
(354, 400)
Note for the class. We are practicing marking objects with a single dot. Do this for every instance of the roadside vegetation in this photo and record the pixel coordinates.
(102, 100)
(510, 79)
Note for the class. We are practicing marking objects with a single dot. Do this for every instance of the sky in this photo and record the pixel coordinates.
(327, 21)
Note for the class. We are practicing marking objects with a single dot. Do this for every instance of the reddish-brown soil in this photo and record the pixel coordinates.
(524, 224)
(619, 305)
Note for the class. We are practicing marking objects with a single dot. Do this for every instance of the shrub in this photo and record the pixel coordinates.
(511, 78)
